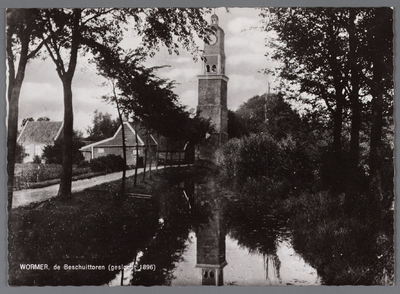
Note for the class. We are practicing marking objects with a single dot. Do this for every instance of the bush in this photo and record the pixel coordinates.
(109, 163)
(279, 164)
(37, 160)
(53, 153)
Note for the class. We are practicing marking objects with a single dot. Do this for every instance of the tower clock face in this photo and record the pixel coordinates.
(213, 39)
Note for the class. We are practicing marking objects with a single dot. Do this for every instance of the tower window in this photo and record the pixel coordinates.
(214, 68)
(207, 68)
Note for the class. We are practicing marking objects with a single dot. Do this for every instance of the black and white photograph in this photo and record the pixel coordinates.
(205, 146)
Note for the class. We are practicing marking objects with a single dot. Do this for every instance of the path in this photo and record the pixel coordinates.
(27, 196)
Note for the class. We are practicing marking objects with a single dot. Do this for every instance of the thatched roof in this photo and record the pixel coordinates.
(44, 132)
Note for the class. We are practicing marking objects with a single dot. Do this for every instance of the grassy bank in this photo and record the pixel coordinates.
(89, 229)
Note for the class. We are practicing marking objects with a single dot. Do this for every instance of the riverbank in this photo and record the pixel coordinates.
(91, 228)
(27, 196)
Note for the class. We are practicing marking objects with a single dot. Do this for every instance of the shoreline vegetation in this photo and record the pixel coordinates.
(92, 228)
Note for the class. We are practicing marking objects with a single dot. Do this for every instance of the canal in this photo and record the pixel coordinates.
(196, 230)
(209, 236)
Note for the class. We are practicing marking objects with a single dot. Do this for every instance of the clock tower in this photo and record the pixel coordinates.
(212, 91)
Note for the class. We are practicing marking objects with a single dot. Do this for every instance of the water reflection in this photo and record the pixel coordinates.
(207, 236)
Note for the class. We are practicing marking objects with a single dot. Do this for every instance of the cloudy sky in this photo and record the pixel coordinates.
(245, 49)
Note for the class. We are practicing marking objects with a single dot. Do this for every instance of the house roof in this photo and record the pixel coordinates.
(44, 132)
(128, 127)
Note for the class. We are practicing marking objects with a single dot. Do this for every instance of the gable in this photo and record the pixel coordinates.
(116, 140)
(44, 132)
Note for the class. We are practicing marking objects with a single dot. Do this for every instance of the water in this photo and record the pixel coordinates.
(207, 236)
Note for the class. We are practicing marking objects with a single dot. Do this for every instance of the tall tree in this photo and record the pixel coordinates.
(313, 48)
(21, 46)
(378, 24)
(69, 30)
(341, 57)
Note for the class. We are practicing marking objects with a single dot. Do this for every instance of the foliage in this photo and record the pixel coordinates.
(69, 31)
(265, 113)
(25, 120)
(37, 159)
(283, 167)
(53, 153)
(33, 172)
(108, 163)
(345, 249)
(103, 126)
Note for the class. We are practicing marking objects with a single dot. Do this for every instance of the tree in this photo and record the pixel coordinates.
(103, 126)
(25, 120)
(53, 153)
(68, 30)
(22, 45)
(314, 54)
(266, 113)
(331, 55)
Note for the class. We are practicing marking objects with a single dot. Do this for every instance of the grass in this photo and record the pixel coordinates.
(90, 228)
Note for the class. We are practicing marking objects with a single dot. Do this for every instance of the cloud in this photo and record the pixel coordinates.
(189, 98)
(240, 24)
(181, 74)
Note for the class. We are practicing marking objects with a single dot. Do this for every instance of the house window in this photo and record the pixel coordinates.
(38, 150)
(100, 150)
(27, 150)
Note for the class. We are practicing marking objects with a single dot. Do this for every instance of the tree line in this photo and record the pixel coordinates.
(63, 34)
(342, 61)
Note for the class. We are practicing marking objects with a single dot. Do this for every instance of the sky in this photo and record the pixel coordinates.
(245, 49)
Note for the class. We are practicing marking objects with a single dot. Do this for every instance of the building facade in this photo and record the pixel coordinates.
(35, 135)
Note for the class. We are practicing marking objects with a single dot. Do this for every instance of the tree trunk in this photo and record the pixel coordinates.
(137, 157)
(12, 131)
(66, 173)
(15, 80)
(337, 113)
(377, 91)
(122, 191)
(145, 155)
(352, 174)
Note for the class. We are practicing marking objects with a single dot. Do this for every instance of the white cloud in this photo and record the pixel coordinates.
(181, 74)
(189, 98)
(240, 24)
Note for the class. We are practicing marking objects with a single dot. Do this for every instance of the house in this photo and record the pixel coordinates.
(113, 145)
(35, 135)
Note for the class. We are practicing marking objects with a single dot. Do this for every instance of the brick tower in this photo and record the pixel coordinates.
(212, 92)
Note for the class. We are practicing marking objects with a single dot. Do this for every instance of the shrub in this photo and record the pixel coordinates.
(37, 160)
(53, 153)
(109, 163)
(280, 165)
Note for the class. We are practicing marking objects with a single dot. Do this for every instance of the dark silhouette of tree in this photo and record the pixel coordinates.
(21, 46)
(69, 30)
(103, 126)
(265, 113)
(25, 120)
(43, 118)
(53, 153)
(341, 57)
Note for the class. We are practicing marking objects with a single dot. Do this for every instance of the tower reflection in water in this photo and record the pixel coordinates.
(211, 258)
